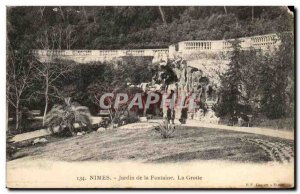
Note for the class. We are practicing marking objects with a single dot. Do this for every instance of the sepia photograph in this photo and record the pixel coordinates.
(133, 97)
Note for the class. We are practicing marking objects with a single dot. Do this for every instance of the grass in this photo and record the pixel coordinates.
(283, 123)
(143, 143)
(286, 124)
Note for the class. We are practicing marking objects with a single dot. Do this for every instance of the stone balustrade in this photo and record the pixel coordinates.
(256, 42)
(85, 56)
(116, 53)
(263, 42)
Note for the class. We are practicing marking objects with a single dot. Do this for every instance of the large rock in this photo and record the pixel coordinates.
(81, 133)
(143, 119)
(101, 129)
(39, 140)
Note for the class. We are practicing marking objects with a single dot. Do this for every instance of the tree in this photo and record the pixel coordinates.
(47, 74)
(19, 76)
(114, 83)
(50, 70)
(264, 80)
(115, 113)
(162, 14)
(252, 13)
(225, 10)
(277, 80)
(231, 84)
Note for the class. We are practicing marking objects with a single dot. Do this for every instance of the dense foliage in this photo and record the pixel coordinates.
(259, 83)
(141, 27)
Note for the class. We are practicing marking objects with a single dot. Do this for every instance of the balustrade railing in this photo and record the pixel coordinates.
(101, 53)
(256, 42)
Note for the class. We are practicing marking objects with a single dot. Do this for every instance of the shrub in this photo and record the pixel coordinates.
(165, 129)
(132, 117)
(123, 117)
(104, 122)
(67, 115)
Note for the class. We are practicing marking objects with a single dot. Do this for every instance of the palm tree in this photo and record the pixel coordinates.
(67, 115)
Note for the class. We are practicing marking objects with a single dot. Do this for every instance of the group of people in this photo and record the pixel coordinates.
(240, 119)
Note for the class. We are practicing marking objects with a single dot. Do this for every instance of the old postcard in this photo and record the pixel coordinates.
(150, 97)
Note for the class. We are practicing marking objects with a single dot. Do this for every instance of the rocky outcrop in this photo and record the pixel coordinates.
(185, 78)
